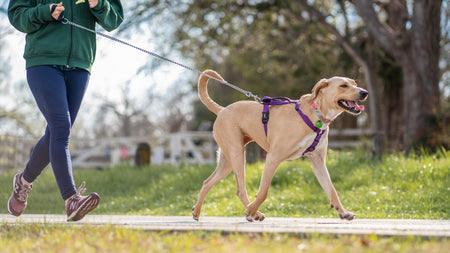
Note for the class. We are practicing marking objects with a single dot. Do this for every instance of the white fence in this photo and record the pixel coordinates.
(183, 147)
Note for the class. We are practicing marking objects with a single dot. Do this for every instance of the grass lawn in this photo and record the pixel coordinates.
(44, 238)
(399, 187)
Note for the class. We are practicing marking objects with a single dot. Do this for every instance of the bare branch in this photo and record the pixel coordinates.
(382, 33)
(318, 16)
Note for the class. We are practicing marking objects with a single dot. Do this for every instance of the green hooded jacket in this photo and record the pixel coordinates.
(49, 42)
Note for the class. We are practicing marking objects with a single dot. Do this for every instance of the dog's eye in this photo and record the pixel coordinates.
(344, 85)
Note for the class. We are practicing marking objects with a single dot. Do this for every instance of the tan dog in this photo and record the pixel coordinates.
(287, 138)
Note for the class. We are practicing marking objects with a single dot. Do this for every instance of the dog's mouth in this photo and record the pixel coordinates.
(351, 106)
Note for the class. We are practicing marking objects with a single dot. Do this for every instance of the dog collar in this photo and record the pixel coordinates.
(322, 119)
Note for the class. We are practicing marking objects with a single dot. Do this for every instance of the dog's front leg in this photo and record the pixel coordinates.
(321, 172)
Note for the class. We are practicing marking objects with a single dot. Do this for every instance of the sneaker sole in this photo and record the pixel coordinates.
(11, 211)
(90, 204)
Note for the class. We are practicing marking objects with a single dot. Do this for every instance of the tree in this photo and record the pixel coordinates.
(174, 116)
(412, 38)
(128, 118)
(283, 47)
(356, 52)
(255, 46)
(16, 103)
(411, 41)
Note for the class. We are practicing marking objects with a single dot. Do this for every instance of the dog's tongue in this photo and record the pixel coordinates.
(353, 104)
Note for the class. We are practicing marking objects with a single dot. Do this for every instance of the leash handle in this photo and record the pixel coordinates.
(247, 93)
(61, 15)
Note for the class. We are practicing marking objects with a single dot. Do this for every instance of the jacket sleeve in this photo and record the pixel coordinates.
(27, 15)
(109, 14)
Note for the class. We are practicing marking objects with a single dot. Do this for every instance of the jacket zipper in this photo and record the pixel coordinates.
(71, 36)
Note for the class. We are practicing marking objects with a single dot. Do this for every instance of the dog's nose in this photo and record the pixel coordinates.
(363, 94)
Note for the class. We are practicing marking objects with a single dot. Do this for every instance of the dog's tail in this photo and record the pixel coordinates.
(203, 91)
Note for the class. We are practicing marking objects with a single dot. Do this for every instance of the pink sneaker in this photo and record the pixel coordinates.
(78, 206)
(18, 200)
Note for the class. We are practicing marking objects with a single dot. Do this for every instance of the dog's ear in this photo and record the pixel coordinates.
(319, 85)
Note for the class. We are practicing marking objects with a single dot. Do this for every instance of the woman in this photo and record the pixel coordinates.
(58, 61)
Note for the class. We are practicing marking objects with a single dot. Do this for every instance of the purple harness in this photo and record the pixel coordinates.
(267, 101)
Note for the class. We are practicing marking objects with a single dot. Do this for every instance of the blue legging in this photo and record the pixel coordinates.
(58, 94)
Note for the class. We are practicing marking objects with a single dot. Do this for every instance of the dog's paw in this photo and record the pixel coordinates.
(248, 217)
(195, 215)
(347, 216)
(257, 217)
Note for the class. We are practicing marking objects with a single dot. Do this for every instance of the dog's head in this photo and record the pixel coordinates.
(340, 93)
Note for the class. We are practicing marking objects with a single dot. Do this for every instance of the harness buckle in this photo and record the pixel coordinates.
(265, 117)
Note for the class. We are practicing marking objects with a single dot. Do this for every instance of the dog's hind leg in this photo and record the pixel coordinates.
(238, 165)
(222, 170)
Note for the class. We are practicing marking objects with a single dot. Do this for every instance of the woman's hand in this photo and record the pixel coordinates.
(93, 3)
(58, 10)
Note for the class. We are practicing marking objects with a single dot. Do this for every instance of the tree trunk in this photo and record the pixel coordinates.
(420, 63)
(416, 50)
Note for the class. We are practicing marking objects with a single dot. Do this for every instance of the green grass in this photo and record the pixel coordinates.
(57, 238)
(412, 187)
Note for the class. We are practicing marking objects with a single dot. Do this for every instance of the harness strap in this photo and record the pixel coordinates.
(267, 101)
(319, 132)
(265, 115)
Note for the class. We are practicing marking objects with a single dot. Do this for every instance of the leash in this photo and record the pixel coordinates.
(65, 21)
(266, 101)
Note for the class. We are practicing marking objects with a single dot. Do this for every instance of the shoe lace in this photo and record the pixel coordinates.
(23, 192)
(81, 189)
(71, 203)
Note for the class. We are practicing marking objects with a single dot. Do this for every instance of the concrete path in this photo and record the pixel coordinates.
(382, 227)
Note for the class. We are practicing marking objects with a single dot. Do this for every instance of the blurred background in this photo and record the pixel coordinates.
(139, 108)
